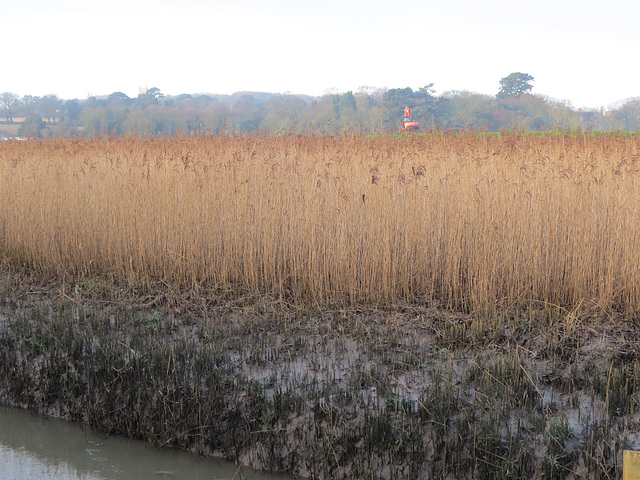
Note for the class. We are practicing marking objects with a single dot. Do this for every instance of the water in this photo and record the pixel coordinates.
(34, 447)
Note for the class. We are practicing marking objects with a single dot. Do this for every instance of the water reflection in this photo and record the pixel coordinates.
(34, 447)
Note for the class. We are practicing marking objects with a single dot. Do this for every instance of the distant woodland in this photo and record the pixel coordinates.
(367, 110)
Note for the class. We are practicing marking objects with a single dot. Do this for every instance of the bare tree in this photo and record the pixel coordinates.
(9, 101)
(49, 106)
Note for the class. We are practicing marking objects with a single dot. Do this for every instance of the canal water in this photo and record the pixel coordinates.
(36, 447)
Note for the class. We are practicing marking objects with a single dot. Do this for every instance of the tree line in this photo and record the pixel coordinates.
(367, 110)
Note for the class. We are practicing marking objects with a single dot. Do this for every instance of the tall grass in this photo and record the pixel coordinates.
(464, 221)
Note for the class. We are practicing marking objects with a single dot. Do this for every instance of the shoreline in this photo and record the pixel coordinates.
(403, 392)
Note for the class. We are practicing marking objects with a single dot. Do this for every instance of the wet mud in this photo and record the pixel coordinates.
(407, 392)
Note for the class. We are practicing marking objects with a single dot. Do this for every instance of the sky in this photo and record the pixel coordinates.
(580, 52)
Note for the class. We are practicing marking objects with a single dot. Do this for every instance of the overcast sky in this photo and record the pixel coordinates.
(582, 51)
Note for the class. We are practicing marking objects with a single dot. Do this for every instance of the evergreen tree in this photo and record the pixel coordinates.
(514, 85)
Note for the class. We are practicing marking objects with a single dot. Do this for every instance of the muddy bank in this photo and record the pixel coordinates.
(403, 393)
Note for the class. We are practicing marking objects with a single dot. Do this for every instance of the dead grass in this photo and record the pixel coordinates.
(467, 222)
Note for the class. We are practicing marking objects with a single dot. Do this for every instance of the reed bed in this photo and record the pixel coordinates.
(462, 221)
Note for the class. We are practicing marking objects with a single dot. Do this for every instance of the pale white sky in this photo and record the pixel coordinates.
(583, 51)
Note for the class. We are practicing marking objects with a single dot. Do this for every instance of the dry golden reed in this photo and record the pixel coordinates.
(464, 221)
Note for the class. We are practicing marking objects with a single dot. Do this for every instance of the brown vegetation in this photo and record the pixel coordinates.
(465, 221)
